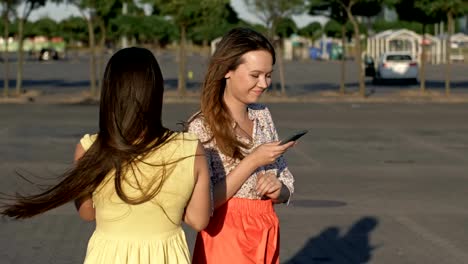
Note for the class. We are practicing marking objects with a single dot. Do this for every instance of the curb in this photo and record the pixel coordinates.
(324, 97)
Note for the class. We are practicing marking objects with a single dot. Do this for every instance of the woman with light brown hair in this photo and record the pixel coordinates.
(248, 171)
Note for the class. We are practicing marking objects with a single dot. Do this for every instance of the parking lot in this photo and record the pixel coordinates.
(302, 77)
(375, 183)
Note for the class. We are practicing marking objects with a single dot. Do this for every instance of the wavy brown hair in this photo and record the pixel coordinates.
(228, 56)
(130, 128)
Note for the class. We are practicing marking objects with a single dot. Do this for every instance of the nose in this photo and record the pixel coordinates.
(263, 83)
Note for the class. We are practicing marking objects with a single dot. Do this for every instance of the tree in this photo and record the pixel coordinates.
(311, 31)
(271, 13)
(185, 14)
(6, 11)
(215, 24)
(347, 10)
(338, 16)
(141, 28)
(87, 9)
(74, 29)
(102, 12)
(408, 10)
(45, 27)
(22, 15)
(97, 14)
(286, 27)
(452, 9)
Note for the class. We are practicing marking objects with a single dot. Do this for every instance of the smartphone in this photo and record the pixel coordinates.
(294, 137)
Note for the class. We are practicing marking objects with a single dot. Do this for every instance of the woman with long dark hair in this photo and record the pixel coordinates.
(135, 177)
(248, 171)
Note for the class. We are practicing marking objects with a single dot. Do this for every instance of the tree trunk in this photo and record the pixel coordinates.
(448, 62)
(343, 61)
(6, 61)
(422, 72)
(357, 40)
(281, 67)
(19, 70)
(102, 53)
(206, 49)
(92, 61)
(181, 84)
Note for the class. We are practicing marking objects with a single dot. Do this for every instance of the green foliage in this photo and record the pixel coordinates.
(30, 5)
(216, 21)
(335, 9)
(257, 27)
(435, 7)
(144, 28)
(286, 27)
(382, 25)
(45, 27)
(367, 8)
(74, 29)
(204, 20)
(182, 12)
(410, 10)
(312, 30)
(333, 29)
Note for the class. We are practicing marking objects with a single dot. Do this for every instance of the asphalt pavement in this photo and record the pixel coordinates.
(375, 183)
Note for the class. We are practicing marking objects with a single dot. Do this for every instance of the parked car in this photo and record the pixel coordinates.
(48, 54)
(397, 66)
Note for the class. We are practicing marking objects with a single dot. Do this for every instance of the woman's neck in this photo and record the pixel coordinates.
(237, 109)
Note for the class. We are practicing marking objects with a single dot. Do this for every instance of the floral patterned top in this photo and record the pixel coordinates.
(220, 165)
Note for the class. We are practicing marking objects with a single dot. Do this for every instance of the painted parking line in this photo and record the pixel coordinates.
(433, 238)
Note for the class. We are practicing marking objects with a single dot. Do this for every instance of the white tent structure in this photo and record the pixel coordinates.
(458, 42)
(408, 41)
(460, 39)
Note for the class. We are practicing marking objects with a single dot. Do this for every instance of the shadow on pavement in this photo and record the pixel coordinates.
(329, 247)
(171, 84)
(28, 83)
(49, 84)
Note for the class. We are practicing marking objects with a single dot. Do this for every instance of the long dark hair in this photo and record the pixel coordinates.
(228, 56)
(130, 127)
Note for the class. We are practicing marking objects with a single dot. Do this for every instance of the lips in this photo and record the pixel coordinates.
(257, 92)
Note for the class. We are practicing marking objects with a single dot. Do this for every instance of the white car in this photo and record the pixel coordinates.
(397, 66)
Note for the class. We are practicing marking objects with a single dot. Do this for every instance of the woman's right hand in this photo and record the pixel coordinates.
(267, 153)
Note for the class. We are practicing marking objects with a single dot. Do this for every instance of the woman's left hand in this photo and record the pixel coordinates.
(268, 185)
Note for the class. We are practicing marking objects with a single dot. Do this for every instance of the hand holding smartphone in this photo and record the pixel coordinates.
(293, 137)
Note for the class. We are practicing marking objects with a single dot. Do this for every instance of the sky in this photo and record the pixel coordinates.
(60, 12)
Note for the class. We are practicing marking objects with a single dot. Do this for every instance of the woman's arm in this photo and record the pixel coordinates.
(269, 185)
(198, 210)
(263, 155)
(84, 204)
(228, 186)
(281, 186)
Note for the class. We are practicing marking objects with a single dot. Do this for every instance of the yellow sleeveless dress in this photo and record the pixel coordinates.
(149, 232)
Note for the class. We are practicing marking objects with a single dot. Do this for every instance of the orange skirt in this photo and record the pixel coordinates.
(240, 231)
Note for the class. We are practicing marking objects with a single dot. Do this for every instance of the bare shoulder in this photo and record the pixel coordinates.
(79, 151)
